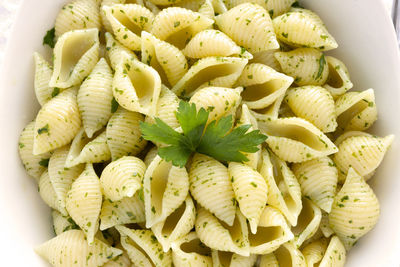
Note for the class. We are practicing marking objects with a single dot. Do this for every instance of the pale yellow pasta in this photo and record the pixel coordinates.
(165, 189)
(143, 248)
(193, 5)
(176, 225)
(262, 85)
(356, 111)
(274, 7)
(288, 255)
(296, 140)
(62, 223)
(190, 251)
(269, 113)
(250, 192)
(284, 191)
(94, 98)
(123, 133)
(355, 210)
(303, 28)
(218, 235)
(314, 252)
(318, 180)
(324, 226)
(207, 9)
(150, 156)
(136, 86)
(165, 2)
(177, 25)
(57, 122)
(267, 58)
(71, 249)
(83, 202)
(223, 258)
(125, 211)
(338, 81)
(75, 55)
(269, 260)
(127, 22)
(219, 6)
(43, 71)
(122, 177)
(79, 141)
(119, 261)
(315, 104)
(166, 59)
(115, 50)
(210, 71)
(48, 194)
(306, 65)
(335, 254)
(34, 165)
(250, 26)
(210, 186)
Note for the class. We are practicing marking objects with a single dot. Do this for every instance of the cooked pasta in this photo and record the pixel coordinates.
(115, 50)
(338, 81)
(62, 223)
(274, 7)
(189, 249)
(223, 258)
(43, 71)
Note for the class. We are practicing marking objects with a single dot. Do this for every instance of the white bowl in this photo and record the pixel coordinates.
(367, 45)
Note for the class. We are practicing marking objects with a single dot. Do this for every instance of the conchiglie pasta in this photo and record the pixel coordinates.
(43, 71)
(250, 26)
(47, 192)
(119, 261)
(274, 7)
(115, 50)
(287, 254)
(62, 223)
(338, 81)
(335, 254)
(150, 156)
(267, 58)
(207, 9)
(190, 249)
(269, 113)
(223, 258)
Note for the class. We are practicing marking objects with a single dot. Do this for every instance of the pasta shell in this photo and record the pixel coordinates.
(124, 137)
(269, 113)
(190, 249)
(165, 2)
(314, 252)
(120, 261)
(57, 122)
(136, 86)
(307, 65)
(71, 248)
(150, 156)
(218, 235)
(71, 66)
(83, 202)
(296, 140)
(267, 58)
(250, 192)
(324, 227)
(48, 194)
(274, 7)
(176, 225)
(125, 211)
(207, 9)
(335, 254)
(223, 258)
(116, 51)
(284, 254)
(165, 189)
(127, 22)
(43, 72)
(269, 260)
(177, 25)
(314, 104)
(210, 71)
(262, 85)
(356, 111)
(318, 179)
(62, 223)
(122, 178)
(355, 210)
(338, 81)
(34, 165)
(143, 248)
(210, 186)
(94, 98)
(168, 60)
(303, 28)
(250, 26)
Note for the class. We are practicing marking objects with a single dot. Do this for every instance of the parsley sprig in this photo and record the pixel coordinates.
(215, 139)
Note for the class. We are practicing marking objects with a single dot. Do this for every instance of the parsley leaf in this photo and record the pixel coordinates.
(44, 162)
(160, 132)
(321, 66)
(48, 39)
(114, 105)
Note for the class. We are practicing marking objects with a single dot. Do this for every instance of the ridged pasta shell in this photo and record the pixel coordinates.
(207, 9)
(94, 98)
(71, 249)
(219, 101)
(318, 180)
(136, 86)
(34, 165)
(210, 71)
(356, 111)
(324, 226)
(335, 254)
(166, 59)
(272, 231)
(177, 25)
(176, 225)
(125, 211)
(62, 223)
(223, 258)
(262, 85)
(43, 71)
(267, 58)
(57, 122)
(121, 260)
(150, 156)
(84, 200)
(165, 189)
(269, 260)
(124, 137)
(76, 15)
(127, 22)
(48, 194)
(250, 26)
(143, 248)
(165, 2)
(210, 186)
(355, 210)
(284, 191)
(115, 50)
(363, 153)
(284, 254)
(218, 235)
(190, 249)
(122, 178)
(71, 66)
(193, 5)
(269, 113)
(274, 7)
(250, 192)
(303, 28)
(338, 81)
(306, 65)
(314, 252)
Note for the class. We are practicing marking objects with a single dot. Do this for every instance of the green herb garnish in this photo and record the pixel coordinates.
(48, 39)
(44, 162)
(114, 105)
(321, 66)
